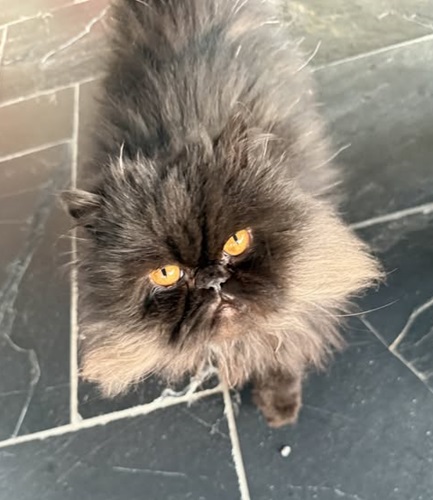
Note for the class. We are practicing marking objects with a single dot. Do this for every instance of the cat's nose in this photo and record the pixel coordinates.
(211, 277)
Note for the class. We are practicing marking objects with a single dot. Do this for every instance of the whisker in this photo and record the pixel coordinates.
(366, 312)
(143, 3)
(72, 237)
(337, 153)
(312, 56)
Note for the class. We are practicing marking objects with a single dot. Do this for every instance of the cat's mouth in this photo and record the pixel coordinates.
(226, 310)
(225, 313)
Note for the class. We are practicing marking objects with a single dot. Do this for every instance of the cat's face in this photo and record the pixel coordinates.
(206, 288)
(201, 256)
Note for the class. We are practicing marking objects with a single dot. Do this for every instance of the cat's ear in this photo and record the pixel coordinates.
(83, 206)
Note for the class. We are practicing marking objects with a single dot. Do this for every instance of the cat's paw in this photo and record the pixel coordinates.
(279, 406)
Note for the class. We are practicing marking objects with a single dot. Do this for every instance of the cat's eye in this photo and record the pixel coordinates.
(238, 243)
(166, 276)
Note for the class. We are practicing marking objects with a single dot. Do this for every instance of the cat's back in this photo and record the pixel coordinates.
(178, 66)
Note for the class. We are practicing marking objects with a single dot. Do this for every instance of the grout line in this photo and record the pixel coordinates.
(74, 415)
(374, 331)
(425, 209)
(42, 15)
(364, 55)
(52, 90)
(36, 149)
(85, 31)
(4, 35)
(395, 353)
(236, 447)
(101, 420)
(414, 315)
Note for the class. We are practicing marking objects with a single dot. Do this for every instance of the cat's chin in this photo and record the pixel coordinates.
(226, 311)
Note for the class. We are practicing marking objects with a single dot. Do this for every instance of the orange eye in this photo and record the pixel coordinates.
(238, 243)
(166, 276)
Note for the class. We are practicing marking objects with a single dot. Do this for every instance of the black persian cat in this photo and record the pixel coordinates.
(212, 234)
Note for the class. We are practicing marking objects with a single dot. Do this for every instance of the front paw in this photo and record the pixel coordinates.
(279, 400)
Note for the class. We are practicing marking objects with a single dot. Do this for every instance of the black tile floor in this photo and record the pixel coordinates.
(366, 428)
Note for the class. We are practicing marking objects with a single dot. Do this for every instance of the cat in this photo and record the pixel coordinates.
(209, 210)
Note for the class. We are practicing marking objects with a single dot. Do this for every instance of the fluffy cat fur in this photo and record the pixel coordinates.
(206, 126)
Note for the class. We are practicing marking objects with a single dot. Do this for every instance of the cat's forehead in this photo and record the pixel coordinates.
(185, 211)
(191, 223)
(197, 233)
(188, 193)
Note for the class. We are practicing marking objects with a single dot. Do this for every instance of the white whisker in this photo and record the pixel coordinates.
(361, 313)
(331, 158)
(312, 56)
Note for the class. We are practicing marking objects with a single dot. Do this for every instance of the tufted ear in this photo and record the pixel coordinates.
(81, 205)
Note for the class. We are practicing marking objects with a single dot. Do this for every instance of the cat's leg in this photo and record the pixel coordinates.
(278, 395)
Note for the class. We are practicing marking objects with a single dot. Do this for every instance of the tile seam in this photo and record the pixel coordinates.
(236, 447)
(101, 420)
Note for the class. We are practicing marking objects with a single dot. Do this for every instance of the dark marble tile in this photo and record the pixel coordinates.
(378, 105)
(58, 49)
(3, 33)
(172, 454)
(35, 122)
(87, 106)
(21, 180)
(11, 12)
(34, 294)
(345, 29)
(365, 433)
(42, 325)
(17, 371)
(405, 248)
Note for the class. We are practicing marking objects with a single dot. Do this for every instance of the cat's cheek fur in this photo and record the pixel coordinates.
(119, 361)
(332, 266)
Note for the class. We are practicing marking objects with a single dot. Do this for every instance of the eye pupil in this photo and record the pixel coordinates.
(166, 276)
(238, 243)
